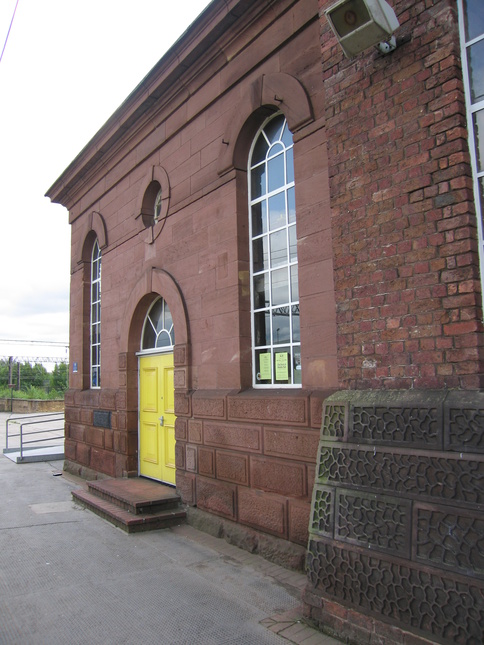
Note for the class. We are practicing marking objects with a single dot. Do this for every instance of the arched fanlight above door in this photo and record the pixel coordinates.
(158, 330)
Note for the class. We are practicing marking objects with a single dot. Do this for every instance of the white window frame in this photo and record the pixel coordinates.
(471, 109)
(95, 318)
(292, 306)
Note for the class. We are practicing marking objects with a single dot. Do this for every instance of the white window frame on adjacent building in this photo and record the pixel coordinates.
(472, 43)
(95, 321)
(276, 344)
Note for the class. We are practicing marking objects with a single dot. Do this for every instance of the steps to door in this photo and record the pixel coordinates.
(133, 505)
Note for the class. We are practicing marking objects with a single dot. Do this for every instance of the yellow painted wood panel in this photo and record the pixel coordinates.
(157, 418)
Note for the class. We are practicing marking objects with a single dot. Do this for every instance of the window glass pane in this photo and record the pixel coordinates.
(259, 254)
(291, 206)
(280, 325)
(289, 166)
(96, 334)
(297, 365)
(473, 18)
(94, 314)
(163, 339)
(262, 328)
(282, 365)
(259, 218)
(294, 284)
(168, 319)
(296, 333)
(157, 207)
(278, 248)
(280, 287)
(263, 367)
(479, 135)
(274, 127)
(258, 181)
(275, 150)
(286, 136)
(260, 150)
(277, 211)
(292, 244)
(149, 337)
(261, 291)
(155, 315)
(275, 171)
(481, 196)
(475, 58)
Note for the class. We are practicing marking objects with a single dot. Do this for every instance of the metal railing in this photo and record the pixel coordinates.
(53, 434)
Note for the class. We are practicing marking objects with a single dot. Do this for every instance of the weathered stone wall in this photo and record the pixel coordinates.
(31, 405)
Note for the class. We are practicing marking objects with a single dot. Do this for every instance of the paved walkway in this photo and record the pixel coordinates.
(68, 576)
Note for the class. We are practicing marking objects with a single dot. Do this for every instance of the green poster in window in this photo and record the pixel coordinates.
(265, 366)
(282, 371)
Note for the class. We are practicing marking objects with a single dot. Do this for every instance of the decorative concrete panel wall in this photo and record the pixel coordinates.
(396, 527)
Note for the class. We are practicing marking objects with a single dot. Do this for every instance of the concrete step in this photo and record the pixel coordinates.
(129, 522)
(136, 495)
(29, 455)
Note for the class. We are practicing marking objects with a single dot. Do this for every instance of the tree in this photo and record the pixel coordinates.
(59, 379)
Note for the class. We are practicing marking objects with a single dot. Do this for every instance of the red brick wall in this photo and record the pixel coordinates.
(404, 230)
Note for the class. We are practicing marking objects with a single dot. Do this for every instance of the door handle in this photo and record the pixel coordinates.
(162, 421)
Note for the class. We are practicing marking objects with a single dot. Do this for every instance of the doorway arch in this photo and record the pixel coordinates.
(152, 284)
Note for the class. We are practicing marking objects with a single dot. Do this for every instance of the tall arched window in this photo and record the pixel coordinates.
(95, 337)
(158, 330)
(276, 345)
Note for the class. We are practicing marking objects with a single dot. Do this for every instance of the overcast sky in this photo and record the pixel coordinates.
(66, 67)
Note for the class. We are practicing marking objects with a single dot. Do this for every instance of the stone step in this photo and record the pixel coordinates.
(138, 496)
(122, 518)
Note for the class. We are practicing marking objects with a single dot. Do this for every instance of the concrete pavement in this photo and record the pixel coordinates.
(68, 576)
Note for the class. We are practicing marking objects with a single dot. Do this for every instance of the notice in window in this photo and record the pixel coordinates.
(265, 366)
(282, 371)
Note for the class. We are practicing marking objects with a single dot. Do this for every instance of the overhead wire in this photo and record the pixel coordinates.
(9, 29)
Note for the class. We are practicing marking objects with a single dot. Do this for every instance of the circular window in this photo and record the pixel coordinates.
(152, 203)
(157, 207)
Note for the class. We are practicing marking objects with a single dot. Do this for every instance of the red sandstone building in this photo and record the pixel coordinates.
(290, 243)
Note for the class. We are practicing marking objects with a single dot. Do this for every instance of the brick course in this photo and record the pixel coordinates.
(404, 230)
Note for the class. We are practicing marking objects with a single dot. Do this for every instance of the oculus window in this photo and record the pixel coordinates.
(276, 344)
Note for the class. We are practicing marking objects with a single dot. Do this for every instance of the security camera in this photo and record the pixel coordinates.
(360, 24)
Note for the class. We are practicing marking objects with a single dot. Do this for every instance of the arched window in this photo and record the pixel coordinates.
(276, 346)
(158, 330)
(95, 337)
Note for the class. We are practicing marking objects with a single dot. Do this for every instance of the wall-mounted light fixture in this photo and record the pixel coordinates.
(359, 24)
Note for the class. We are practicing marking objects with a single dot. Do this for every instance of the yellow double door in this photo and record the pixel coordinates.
(157, 418)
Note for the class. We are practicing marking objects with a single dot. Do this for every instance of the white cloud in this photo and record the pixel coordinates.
(67, 66)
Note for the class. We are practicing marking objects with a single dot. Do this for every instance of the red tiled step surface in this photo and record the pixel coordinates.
(132, 504)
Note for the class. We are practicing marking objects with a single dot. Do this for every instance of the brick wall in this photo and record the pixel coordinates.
(404, 229)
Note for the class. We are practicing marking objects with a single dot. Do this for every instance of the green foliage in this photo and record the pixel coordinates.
(35, 381)
(59, 379)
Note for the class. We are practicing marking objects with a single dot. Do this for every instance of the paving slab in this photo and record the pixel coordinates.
(68, 576)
